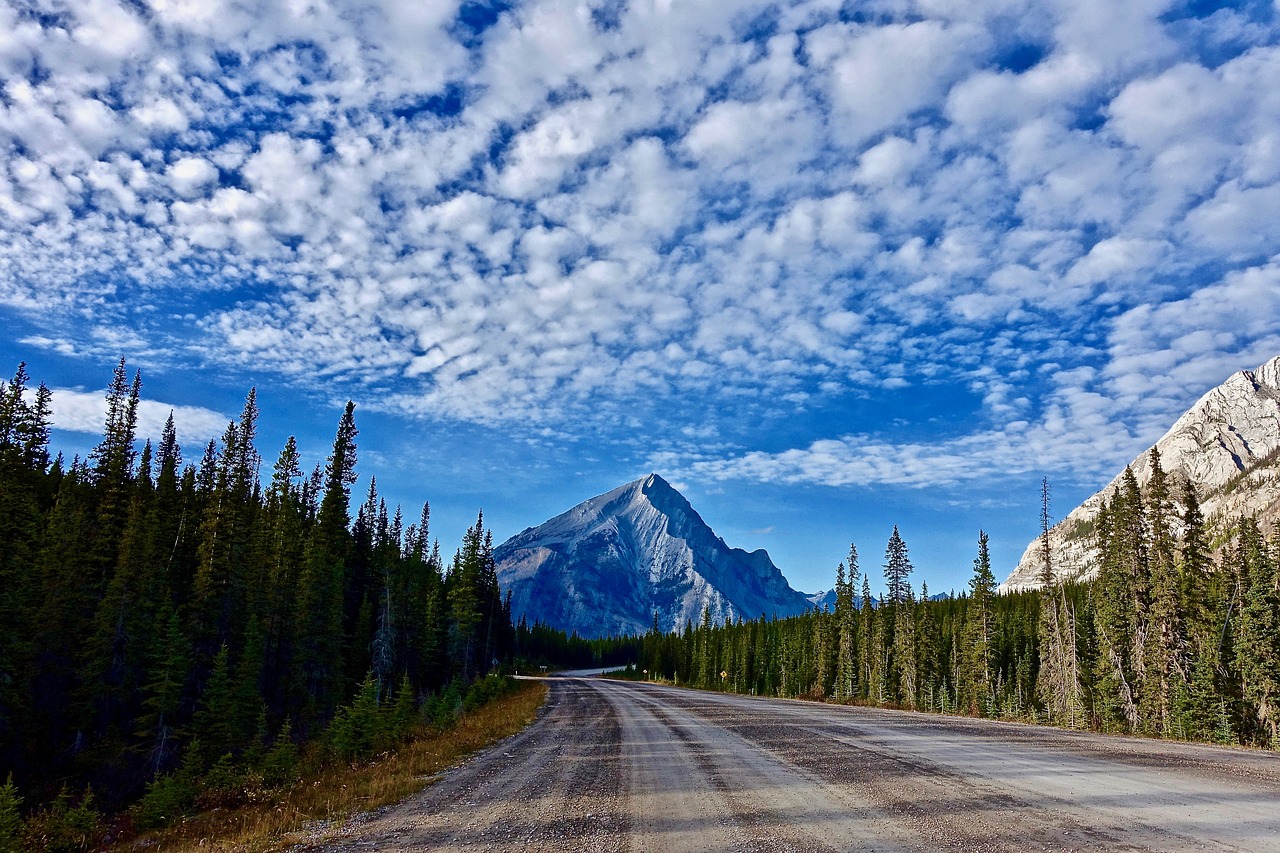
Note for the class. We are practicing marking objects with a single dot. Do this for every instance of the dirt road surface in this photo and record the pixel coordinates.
(615, 766)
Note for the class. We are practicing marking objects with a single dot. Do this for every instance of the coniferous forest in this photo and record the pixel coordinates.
(173, 623)
(1165, 642)
(173, 619)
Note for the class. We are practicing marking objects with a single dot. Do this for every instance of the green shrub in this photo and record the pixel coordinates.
(486, 690)
(357, 729)
(280, 765)
(10, 817)
(64, 828)
(442, 710)
(403, 712)
(168, 798)
(223, 786)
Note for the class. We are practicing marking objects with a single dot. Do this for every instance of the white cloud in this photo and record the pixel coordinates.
(1117, 259)
(86, 412)
(664, 203)
(881, 75)
(190, 176)
(1238, 221)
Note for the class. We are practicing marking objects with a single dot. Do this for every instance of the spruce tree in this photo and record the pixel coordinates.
(1058, 679)
(223, 579)
(10, 816)
(1258, 635)
(114, 459)
(117, 650)
(67, 597)
(906, 659)
(216, 718)
(318, 637)
(975, 667)
(280, 547)
(168, 651)
(868, 656)
(846, 616)
(897, 568)
(1199, 599)
(1163, 653)
(23, 483)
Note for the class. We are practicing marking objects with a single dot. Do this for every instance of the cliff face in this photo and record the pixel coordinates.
(1227, 444)
(609, 564)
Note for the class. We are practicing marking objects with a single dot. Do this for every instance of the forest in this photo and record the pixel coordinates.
(1166, 641)
(172, 626)
(176, 627)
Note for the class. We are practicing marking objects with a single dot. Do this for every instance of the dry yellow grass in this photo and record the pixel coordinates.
(290, 816)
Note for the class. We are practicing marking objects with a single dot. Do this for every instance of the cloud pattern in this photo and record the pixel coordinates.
(563, 216)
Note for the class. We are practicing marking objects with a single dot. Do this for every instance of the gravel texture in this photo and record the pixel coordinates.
(616, 766)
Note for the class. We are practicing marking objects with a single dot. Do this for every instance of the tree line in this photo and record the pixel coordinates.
(1166, 641)
(162, 615)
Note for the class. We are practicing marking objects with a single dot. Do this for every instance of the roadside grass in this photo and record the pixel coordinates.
(323, 798)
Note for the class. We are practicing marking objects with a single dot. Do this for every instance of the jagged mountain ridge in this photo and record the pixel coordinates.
(608, 564)
(1228, 444)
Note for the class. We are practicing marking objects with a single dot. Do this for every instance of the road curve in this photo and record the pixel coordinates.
(616, 766)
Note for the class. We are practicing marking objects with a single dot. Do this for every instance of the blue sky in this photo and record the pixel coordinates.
(827, 267)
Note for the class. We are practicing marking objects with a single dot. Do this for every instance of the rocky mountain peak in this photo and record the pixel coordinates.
(1227, 444)
(613, 561)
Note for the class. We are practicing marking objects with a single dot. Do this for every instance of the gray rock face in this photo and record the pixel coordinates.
(607, 565)
(1227, 444)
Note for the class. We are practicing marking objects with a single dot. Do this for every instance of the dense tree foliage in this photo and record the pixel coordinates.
(540, 645)
(1164, 642)
(168, 624)
(165, 619)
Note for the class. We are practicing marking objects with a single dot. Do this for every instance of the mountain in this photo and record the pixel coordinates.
(819, 600)
(607, 565)
(1227, 444)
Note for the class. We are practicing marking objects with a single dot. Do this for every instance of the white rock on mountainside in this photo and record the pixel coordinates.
(607, 565)
(1228, 444)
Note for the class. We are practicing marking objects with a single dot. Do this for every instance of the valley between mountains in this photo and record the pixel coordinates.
(620, 766)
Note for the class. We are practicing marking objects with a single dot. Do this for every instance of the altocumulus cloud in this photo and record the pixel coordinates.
(576, 213)
(86, 412)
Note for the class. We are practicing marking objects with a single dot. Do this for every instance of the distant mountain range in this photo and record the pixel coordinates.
(1228, 444)
(612, 562)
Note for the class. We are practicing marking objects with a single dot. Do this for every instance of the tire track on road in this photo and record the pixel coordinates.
(612, 766)
(555, 786)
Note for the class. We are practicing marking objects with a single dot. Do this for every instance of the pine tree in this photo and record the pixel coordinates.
(465, 617)
(906, 657)
(1058, 680)
(222, 580)
(318, 637)
(166, 671)
(1163, 652)
(216, 714)
(824, 653)
(1258, 635)
(280, 549)
(66, 601)
(847, 629)
(10, 817)
(976, 664)
(1199, 600)
(897, 567)
(117, 649)
(928, 642)
(868, 656)
(23, 460)
(114, 459)
(898, 623)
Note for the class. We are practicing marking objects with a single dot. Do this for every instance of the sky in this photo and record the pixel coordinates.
(826, 267)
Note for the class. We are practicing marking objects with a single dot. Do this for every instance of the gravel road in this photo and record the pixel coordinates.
(615, 766)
